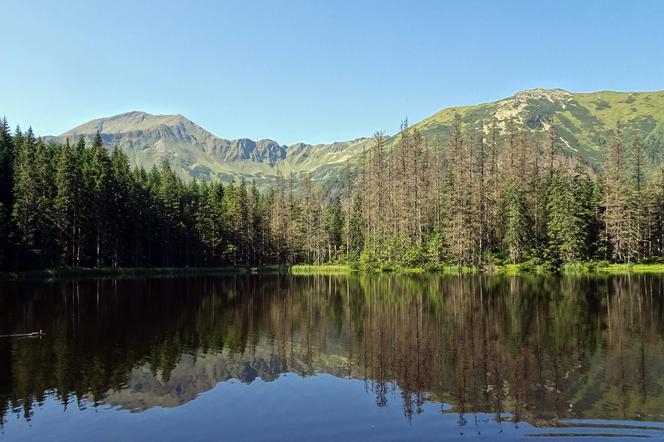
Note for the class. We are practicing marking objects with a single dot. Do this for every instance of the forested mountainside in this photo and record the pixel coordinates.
(585, 122)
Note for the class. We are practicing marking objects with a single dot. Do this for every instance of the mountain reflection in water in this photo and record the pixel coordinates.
(536, 349)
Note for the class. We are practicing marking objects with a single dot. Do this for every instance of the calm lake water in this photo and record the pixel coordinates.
(326, 358)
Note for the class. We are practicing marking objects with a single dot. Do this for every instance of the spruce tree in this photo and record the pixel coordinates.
(7, 155)
(570, 217)
(68, 204)
(98, 182)
(517, 225)
(257, 225)
(7, 158)
(29, 212)
(119, 205)
(636, 198)
(356, 230)
(170, 197)
(4, 238)
(334, 224)
(618, 213)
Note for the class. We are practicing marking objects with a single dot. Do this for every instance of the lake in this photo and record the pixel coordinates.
(326, 358)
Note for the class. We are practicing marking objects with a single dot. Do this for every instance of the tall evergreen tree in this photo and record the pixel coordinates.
(570, 217)
(69, 204)
(334, 224)
(517, 224)
(169, 197)
(98, 178)
(636, 199)
(30, 212)
(618, 213)
(119, 206)
(7, 158)
(7, 155)
(460, 231)
(356, 229)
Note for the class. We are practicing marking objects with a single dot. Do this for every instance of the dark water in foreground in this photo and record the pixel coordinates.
(323, 358)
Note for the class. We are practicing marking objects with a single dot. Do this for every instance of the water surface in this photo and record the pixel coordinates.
(374, 357)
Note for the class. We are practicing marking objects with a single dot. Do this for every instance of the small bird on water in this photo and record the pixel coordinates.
(36, 334)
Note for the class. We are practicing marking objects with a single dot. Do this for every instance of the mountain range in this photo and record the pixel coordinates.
(585, 123)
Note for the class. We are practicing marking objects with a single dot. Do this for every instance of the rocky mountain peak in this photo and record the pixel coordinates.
(543, 94)
(132, 122)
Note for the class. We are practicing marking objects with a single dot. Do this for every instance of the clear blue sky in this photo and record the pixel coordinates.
(314, 71)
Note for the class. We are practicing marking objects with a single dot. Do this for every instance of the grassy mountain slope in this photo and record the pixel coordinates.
(585, 122)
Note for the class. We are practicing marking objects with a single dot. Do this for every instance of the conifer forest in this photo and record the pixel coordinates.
(490, 195)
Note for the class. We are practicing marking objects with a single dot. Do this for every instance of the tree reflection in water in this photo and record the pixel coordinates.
(535, 348)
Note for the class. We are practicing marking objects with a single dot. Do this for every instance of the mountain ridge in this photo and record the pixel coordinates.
(195, 152)
(584, 121)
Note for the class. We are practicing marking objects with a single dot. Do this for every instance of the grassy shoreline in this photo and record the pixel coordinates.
(305, 269)
(632, 268)
(600, 267)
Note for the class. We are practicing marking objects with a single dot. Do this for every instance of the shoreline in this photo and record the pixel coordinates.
(329, 269)
(128, 272)
(593, 267)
